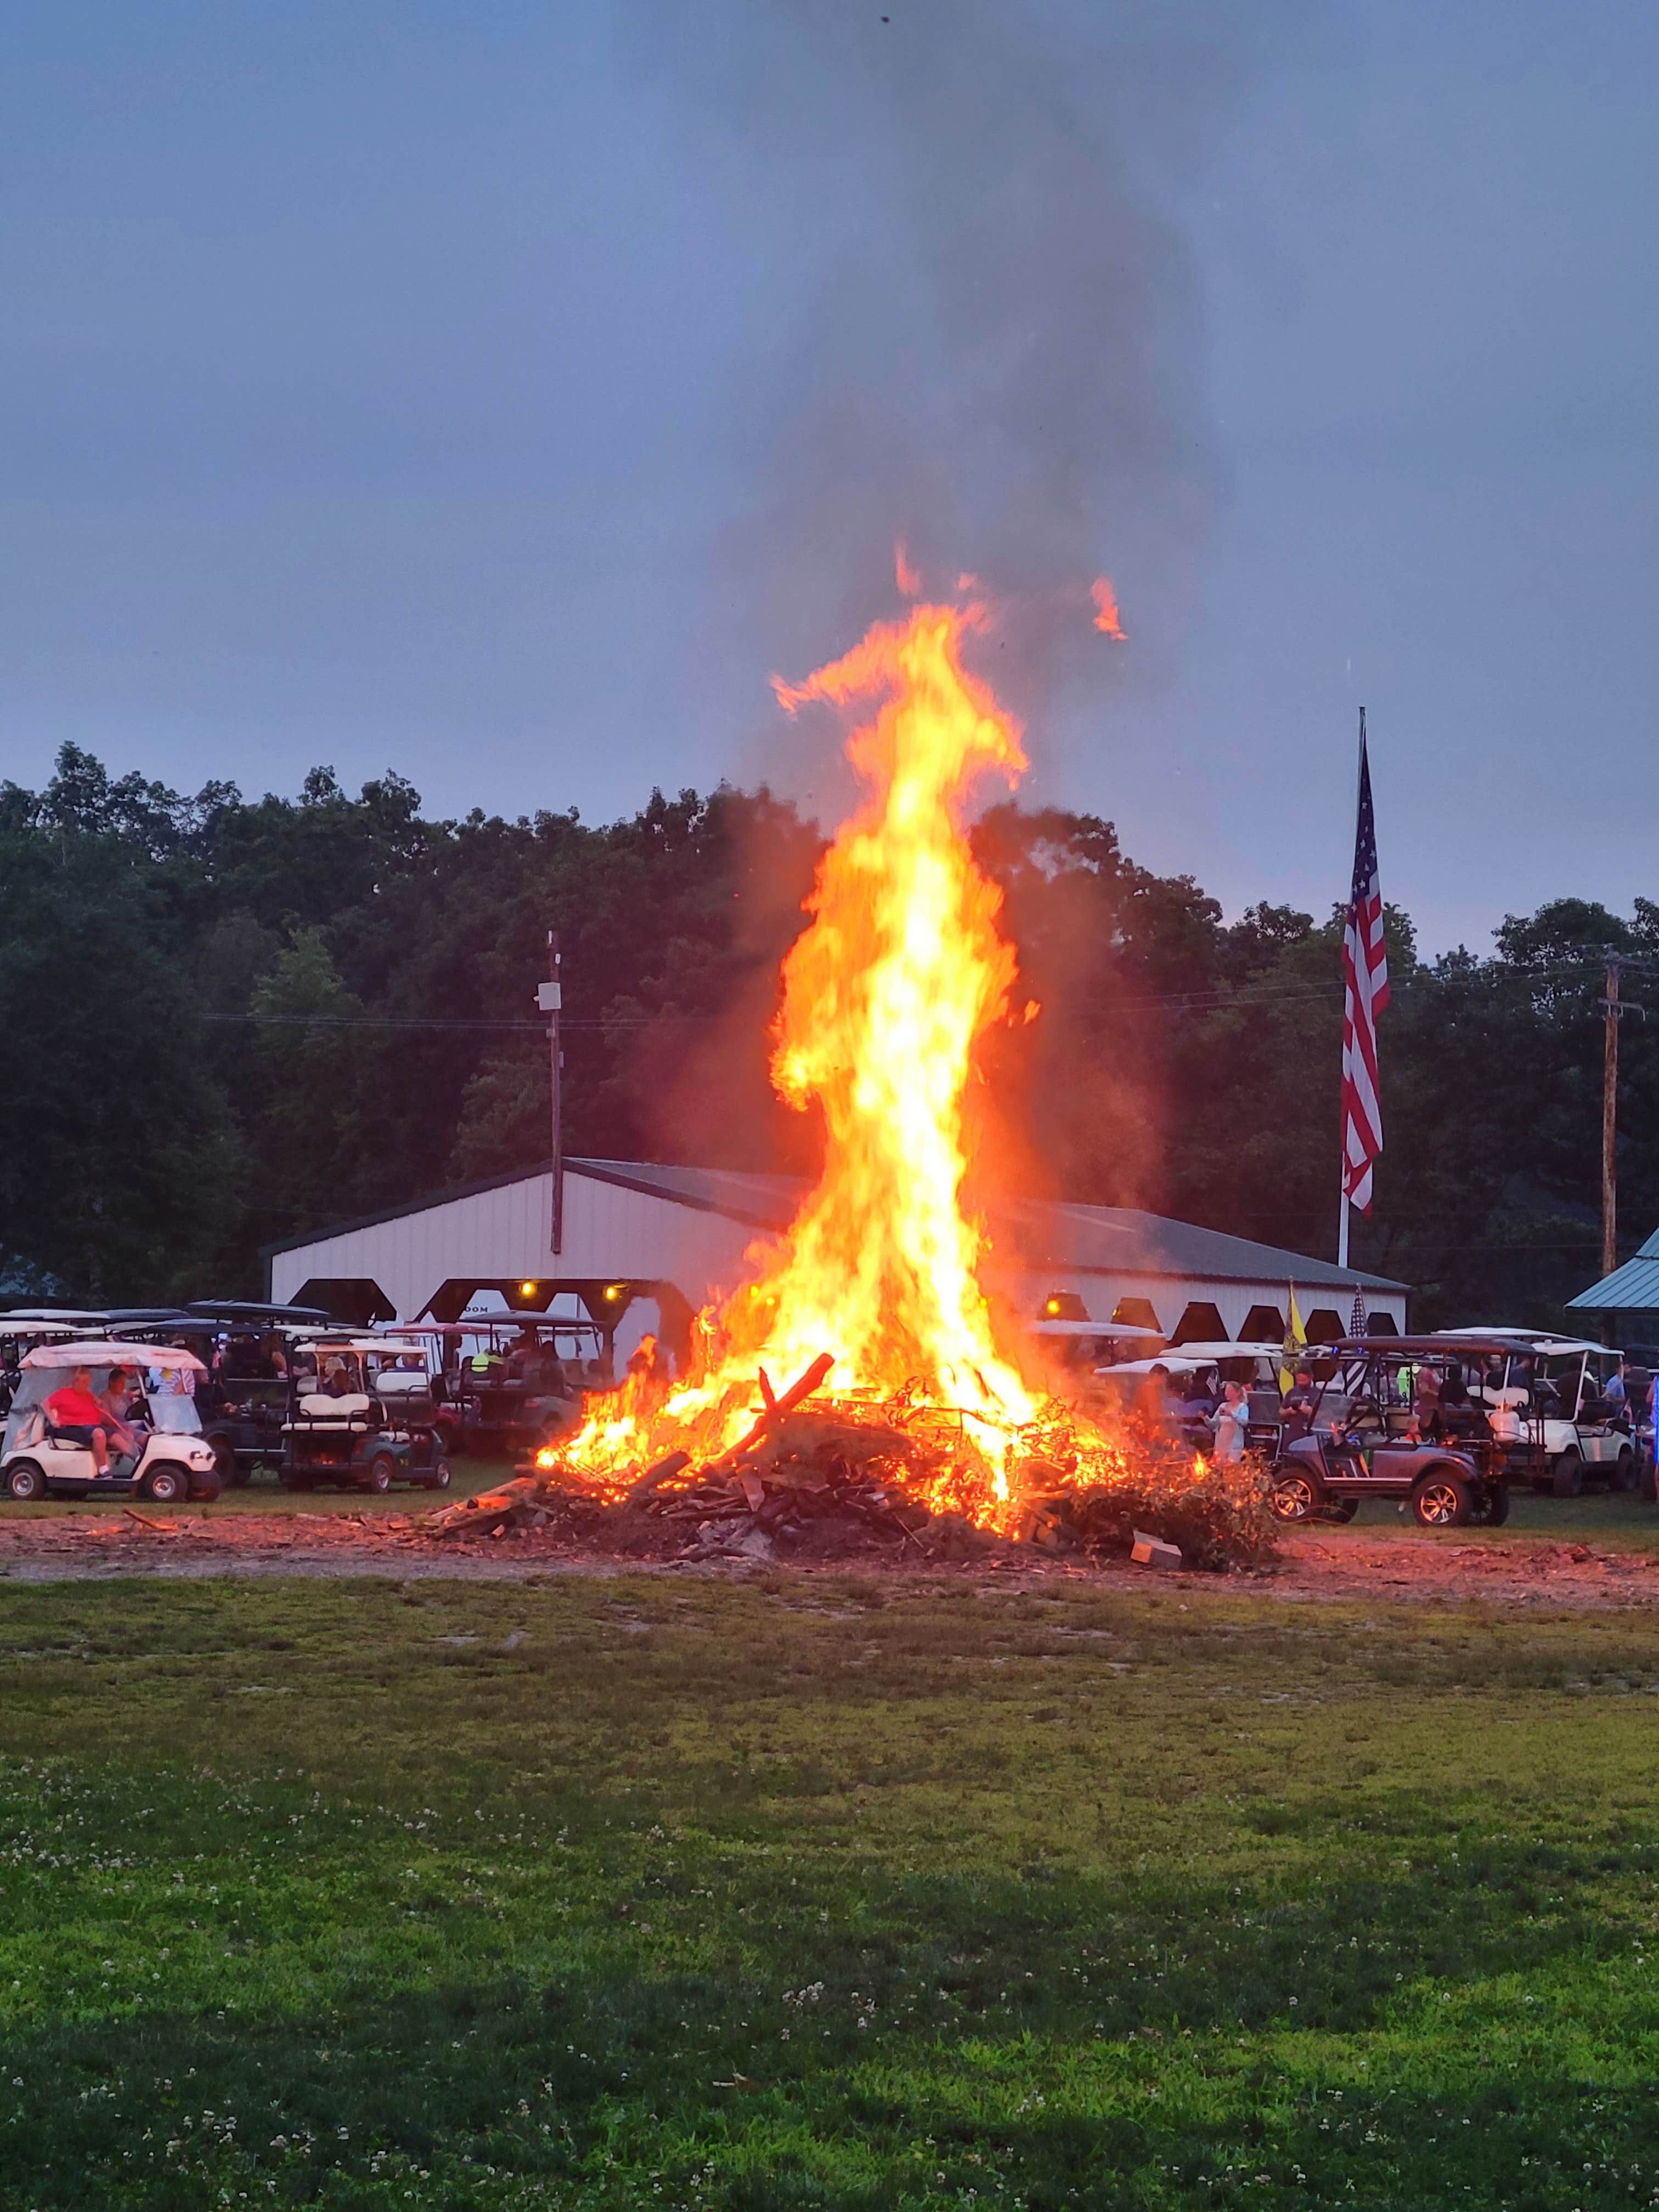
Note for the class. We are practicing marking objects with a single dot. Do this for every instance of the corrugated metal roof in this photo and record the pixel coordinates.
(1114, 1239)
(1124, 1239)
(1633, 1288)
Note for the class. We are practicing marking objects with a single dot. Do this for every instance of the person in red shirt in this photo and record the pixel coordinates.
(77, 1415)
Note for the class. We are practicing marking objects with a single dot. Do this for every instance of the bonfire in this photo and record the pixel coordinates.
(861, 1364)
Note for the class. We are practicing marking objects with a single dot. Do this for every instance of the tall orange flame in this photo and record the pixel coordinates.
(885, 996)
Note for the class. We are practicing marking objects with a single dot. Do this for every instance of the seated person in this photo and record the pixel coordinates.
(337, 1378)
(80, 1418)
(1300, 1396)
(1458, 1411)
(123, 1400)
(1426, 1395)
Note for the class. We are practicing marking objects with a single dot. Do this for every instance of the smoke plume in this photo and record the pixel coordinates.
(975, 325)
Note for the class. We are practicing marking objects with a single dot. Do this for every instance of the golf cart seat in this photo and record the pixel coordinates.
(402, 1383)
(352, 1415)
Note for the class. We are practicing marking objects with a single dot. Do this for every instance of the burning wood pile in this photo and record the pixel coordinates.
(832, 1478)
(919, 1425)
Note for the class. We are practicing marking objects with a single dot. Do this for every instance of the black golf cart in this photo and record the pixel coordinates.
(1367, 1438)
(361, 1417)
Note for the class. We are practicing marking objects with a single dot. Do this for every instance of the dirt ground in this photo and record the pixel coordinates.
(1319, 1565)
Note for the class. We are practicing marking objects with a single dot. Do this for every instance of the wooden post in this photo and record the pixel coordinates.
(555, 1088)
(1611, 1009)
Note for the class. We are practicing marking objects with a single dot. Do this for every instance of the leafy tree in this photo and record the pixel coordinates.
(229, 1019)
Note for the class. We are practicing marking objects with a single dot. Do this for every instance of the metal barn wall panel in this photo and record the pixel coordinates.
(676, 1225)
(507, 1233)
(1169, 1296)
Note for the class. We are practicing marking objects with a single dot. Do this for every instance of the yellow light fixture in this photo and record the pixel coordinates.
(526, 1290)
(613, 1292)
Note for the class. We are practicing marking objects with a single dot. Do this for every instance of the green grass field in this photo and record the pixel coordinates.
(264, 1494)
(1622, 1520)
(673, 1893)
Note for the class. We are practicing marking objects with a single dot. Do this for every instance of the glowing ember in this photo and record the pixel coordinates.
(1107, 618)
(885, 996)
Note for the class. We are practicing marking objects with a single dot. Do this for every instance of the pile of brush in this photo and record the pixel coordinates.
(842, 1476)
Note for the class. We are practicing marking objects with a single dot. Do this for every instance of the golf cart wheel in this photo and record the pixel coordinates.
(205, 1486)
(1340, 1509)
(382, 1473)
(439, 1478)
(168, 1484)
(26, 1482)
(1623, 1470)
(1295, 1495)
(1441, 1500)
(224, 1448)
(1491, 1507)
(1569, 1473)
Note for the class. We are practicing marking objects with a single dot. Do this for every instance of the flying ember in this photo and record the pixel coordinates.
(875, 1291)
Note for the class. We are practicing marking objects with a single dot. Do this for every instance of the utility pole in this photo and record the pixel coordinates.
(549, 997)
(1612, 1014)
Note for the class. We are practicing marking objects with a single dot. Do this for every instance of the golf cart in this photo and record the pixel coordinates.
(1070, 1350)
(1196, 1372)
(173, 1461)
(243, 1396)
(1543, 1398)
(1364, 1439)
(360, 1416)
(524, 1379)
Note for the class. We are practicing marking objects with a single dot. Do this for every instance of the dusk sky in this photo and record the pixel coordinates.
(500, 394)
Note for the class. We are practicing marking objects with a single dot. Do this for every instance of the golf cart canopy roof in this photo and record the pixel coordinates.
(112, 1354)
(1121, 1332)
(60, 1314)
(1207, 1353)
(342, 1340)
(1472, 1344)
(22, 1326)
(1524, 1339)
(230, 1313)
(1192, 1357)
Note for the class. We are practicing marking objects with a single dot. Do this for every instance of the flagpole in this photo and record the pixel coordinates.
(1341, 1131)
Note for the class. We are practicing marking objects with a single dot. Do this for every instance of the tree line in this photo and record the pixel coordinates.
(225, 1020)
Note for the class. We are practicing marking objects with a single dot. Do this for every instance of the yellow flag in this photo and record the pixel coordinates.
(1296, 1343)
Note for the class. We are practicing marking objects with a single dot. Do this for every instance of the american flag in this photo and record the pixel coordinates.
(1364, 994)
(1356, 1319)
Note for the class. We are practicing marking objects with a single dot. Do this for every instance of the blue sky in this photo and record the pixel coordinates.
(500, 394)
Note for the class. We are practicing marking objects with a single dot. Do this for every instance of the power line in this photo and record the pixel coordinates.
(1240, 997)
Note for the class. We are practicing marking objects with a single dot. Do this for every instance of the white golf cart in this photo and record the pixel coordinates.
(173, 1461)
(1190, 1369)
(1544, 1401)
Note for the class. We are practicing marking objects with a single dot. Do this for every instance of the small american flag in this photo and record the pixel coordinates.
(1356, 1319)
(1364, 994)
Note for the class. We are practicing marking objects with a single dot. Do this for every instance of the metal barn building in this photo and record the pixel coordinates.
(677, 1237)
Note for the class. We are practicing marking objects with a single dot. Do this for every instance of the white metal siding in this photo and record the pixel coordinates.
(1169, 1296)
(608, 1231)
(506, 1232)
